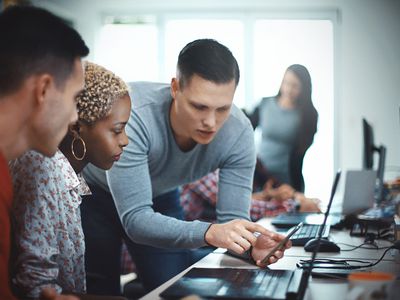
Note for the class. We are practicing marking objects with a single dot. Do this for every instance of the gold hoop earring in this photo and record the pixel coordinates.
(84, 148)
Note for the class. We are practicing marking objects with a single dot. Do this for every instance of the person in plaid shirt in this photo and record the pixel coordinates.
(199, 199)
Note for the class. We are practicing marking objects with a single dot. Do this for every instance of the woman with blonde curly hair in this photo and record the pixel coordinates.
(48, 233)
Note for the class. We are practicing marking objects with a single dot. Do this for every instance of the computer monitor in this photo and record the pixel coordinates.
(368, 158)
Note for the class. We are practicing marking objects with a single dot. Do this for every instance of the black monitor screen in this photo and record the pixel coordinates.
(369, 147)
(368, 157)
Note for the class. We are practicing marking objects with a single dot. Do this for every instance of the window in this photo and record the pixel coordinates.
(147, 47)
(130, 49)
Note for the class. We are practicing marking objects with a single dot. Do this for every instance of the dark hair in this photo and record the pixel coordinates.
(304, 100)
(309, 115)
(35, 41)
(208, 59)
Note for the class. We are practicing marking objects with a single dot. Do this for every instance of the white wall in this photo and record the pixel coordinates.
(367, 61)
(369, 78)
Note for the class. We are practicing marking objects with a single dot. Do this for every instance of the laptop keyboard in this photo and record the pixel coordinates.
(266, 283)
(308, 232)
(236, 283)
(246, 278)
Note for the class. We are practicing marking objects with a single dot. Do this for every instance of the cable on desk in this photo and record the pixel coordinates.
(344, 263)
(361, 246)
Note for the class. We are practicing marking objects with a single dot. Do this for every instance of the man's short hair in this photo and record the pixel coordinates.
(34, 41)
(208, 59)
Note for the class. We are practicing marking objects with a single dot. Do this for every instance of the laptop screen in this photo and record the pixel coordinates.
(307, 271)
(358, 191)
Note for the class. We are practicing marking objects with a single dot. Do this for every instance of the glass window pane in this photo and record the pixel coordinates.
(149, 50)
(129, 50)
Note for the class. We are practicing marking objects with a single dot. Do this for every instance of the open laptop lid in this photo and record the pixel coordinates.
(307, 271)
(358, 191)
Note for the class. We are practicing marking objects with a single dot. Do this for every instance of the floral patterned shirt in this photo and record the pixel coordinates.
(47, 222)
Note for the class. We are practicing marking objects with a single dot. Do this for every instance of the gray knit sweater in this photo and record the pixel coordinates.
(153, 164)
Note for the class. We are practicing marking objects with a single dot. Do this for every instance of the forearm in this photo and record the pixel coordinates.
(34, 273)
(235, 180)
(234, 194)
(155, 229)
(131, 190)
(36, 263)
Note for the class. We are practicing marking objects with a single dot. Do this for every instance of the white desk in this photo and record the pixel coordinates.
(332, 289)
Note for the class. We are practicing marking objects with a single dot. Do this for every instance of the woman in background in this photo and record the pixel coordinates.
(47, 224)
(288, 123)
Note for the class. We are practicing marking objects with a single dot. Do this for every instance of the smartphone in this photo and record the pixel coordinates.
(282, 243)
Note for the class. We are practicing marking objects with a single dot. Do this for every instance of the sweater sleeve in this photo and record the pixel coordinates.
(130, 185)
(235, 179)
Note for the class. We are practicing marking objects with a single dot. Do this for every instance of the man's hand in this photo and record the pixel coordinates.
(236, 235)
(264, 245)
(51, 294)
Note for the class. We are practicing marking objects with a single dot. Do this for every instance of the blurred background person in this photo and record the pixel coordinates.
(288, 123)
(199, 200)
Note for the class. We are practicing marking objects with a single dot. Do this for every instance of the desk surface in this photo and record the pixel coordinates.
(333, 289)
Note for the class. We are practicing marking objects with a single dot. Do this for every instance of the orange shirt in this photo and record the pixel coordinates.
(5, 207)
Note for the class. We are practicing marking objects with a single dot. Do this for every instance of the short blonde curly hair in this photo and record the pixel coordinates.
(102, 89)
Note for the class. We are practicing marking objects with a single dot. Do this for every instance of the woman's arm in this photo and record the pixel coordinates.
(35, 215)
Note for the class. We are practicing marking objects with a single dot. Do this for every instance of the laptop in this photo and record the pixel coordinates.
(359, 191)
(289, 220)
(238, 283)
(358, 197)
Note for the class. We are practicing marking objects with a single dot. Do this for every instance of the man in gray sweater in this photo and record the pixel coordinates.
(178, 133)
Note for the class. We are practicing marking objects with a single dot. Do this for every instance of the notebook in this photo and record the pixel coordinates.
(238, 283)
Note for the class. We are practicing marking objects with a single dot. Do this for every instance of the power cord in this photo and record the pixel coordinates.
(344, 263)
(369, 243)
(367, 246)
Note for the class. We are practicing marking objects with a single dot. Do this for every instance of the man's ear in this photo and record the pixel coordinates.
(174, 87)
(44, 83)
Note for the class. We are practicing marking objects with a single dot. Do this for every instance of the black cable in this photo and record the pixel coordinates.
(344, 262)
(345, 265)
(375, 247)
